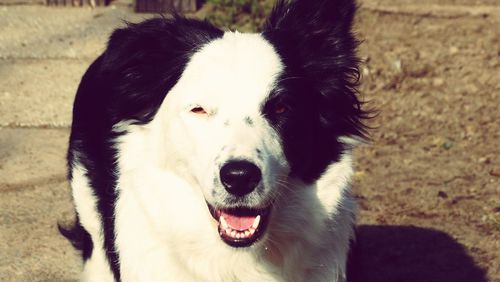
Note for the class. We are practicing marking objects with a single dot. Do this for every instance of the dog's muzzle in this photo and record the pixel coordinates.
(240, 226)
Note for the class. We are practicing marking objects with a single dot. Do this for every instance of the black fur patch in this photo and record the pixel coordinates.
(127, 82)
(79, 238)
(318, 86)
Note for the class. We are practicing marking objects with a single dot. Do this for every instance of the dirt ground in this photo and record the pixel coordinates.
(428, 184)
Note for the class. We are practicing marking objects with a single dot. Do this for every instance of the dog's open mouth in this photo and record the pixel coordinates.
(240, 227)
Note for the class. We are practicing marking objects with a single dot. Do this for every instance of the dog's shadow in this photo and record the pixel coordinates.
(409, 254)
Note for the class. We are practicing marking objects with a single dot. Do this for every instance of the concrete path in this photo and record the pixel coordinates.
(43, 54)
(34, 197)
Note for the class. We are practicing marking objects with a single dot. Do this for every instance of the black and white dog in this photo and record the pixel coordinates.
(202, 155)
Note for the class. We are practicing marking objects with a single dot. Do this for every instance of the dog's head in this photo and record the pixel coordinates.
(240, 115)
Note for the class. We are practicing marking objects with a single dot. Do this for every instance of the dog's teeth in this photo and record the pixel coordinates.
(224, 226)
(223, 222)
(256, 222)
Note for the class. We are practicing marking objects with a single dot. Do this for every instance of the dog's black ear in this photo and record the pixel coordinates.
(316, 44)
(318, 18)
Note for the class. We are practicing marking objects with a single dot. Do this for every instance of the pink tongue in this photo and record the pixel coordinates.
(239, 223)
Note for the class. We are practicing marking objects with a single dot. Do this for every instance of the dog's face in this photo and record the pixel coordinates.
(240, 116)
(223, 116)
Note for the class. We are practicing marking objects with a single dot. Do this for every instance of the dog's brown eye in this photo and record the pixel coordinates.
(280, 108)
(198, 110)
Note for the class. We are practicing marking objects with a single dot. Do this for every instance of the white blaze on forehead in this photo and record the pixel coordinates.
(238, 70)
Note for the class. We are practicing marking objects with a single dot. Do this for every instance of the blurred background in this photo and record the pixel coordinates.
(428, 185)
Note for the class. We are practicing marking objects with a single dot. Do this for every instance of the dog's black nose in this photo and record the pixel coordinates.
(240, 177)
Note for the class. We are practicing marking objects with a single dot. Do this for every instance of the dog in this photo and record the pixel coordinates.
(202, 155)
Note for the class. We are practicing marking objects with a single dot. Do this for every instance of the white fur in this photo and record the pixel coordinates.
(164, 231)
(96, 268)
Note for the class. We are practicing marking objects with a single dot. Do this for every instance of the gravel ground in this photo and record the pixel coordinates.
(428, 185)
